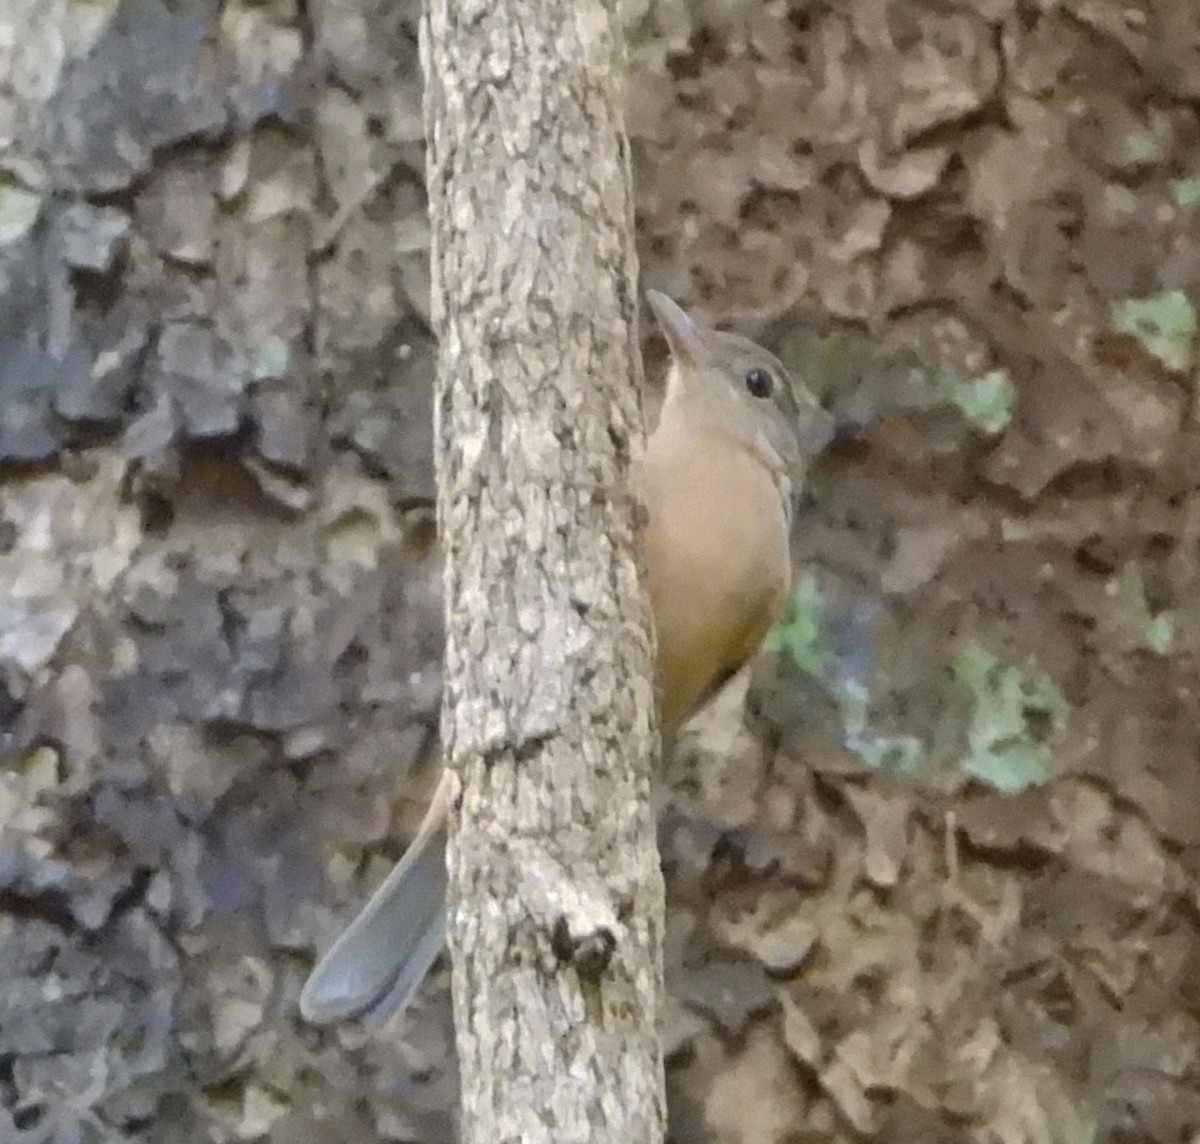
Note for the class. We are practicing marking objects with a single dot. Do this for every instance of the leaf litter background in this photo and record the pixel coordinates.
(940, 884)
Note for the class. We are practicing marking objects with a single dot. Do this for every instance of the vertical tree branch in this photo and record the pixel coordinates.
(555, 890)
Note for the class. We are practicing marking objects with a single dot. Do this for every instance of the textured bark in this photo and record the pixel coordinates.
(217, 632)
(556, 895)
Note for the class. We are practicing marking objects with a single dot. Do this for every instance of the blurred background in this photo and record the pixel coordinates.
(933, 875)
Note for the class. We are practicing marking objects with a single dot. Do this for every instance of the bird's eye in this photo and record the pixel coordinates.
(759, 383)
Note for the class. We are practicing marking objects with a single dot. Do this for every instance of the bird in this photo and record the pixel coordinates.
(720, 478)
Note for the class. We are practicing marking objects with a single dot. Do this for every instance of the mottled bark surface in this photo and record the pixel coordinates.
(555, 891)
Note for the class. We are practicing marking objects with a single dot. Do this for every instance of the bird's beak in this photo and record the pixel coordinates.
(684, 336)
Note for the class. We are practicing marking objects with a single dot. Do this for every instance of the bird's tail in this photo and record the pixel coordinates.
(376, 966)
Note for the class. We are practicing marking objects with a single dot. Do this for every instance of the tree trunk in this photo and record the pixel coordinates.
(555, 891)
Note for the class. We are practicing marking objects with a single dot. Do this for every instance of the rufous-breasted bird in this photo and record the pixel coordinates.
(720, 477)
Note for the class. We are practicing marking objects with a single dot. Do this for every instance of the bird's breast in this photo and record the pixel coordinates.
(717, 561)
